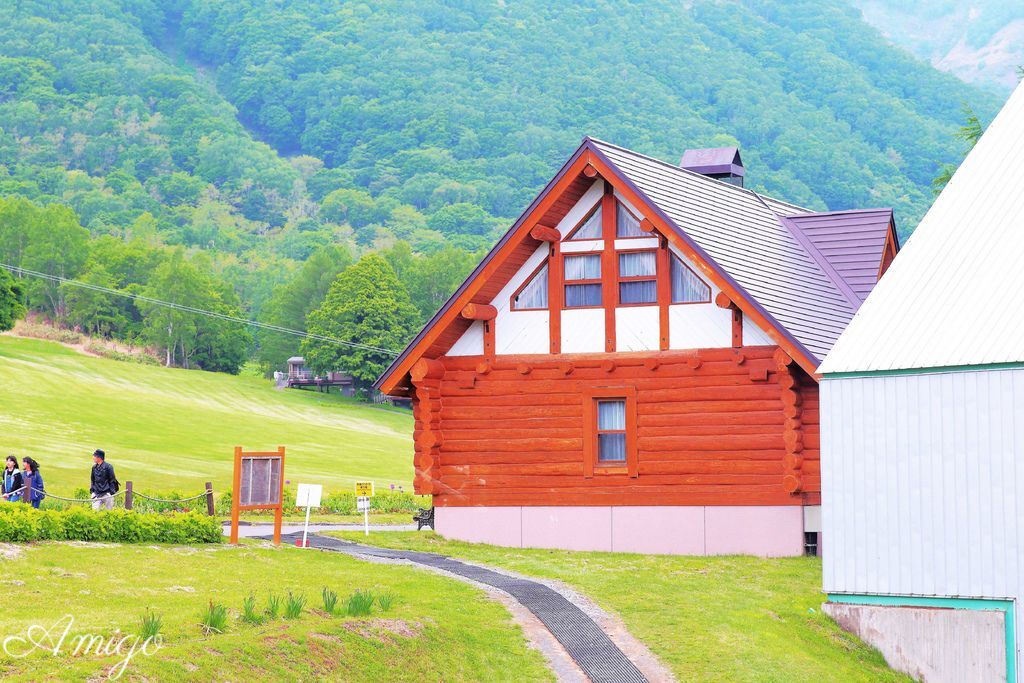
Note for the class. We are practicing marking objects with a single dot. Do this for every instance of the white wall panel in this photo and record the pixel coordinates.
(471, 343)
(582, 330)
(753, 335)
(699, 326)
(923, 484)
(637, 328)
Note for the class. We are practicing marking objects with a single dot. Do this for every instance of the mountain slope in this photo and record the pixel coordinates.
(433, 103)
(981, 41)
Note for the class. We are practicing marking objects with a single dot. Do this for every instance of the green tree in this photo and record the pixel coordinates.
(11, 308)
(366, 305)
(95, 312)
(58, 246)
(970, 132)
(291, 303)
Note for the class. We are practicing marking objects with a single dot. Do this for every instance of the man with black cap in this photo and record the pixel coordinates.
(104, 483)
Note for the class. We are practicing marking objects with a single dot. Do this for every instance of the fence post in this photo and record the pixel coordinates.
(209, 499)
(128, 495)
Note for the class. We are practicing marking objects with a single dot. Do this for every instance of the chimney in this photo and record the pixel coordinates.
(721, 163)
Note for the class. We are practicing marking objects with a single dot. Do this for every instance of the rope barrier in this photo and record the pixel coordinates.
(162, 500)
(113, 495)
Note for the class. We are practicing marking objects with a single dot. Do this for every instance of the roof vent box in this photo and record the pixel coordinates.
(721, 163)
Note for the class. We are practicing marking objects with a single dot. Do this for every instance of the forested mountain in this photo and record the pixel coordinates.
(980, 41)
(230, 140)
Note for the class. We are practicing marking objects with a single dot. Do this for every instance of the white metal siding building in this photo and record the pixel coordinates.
(922, 408)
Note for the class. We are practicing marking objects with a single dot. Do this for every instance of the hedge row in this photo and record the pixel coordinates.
(344, 503)
(21, 523)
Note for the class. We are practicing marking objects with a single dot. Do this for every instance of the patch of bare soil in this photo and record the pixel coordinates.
(382, 630)
(10, 551)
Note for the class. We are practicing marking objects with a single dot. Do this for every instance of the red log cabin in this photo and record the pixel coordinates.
(632, 366)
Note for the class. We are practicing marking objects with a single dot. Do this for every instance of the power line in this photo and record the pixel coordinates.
(17, 270)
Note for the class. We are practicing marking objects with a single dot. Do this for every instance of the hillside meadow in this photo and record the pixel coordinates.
(170, 429)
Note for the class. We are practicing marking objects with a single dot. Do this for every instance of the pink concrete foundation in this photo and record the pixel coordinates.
(766, 531)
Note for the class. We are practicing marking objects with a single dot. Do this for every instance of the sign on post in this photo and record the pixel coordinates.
(364, 490)
(309, 496)
(258, 485)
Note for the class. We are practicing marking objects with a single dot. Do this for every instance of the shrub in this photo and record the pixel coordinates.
(214, 618)
(249, 613)
(151, 624)
(330, 600)
(273, 607)
(342, 503)
(385, 601)
(293, 606)
(360, 603)
(22, 524)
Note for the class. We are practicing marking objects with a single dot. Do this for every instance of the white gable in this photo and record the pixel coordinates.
(952, 296)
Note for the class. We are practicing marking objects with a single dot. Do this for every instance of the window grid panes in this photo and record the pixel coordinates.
(583, 271)
(687, 287)
(626, 224)
(637, 278)
(535, 294)
(611, 431)
(590, 229)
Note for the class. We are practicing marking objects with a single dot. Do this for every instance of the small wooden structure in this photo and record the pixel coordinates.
(300, 377)
(258, 484)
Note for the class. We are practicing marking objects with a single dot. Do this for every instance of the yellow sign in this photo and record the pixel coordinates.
(364, 488)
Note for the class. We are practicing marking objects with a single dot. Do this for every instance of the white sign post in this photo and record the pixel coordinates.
(308, 495)
(364, 490)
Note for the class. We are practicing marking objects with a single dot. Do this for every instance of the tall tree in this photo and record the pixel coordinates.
(970, 132)
(291, 303)
(11, 308)
(366, 305)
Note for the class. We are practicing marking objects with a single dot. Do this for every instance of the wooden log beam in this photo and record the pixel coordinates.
(589, 171)
(722, 300)
(427, 368)
(543, 233)
(647, 226)
(472, 311)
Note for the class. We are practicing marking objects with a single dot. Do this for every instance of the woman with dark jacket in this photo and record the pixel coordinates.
(34, 491)
(12, 480)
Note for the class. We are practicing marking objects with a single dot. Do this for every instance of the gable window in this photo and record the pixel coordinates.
(638, 282)
(533, 294)
(582, 273)
(590, 227)
(626, 224)
(687, 287)
(610, 435)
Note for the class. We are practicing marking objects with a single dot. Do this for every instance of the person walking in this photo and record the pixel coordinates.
(104, 483)
(12, 482)
(33, 481)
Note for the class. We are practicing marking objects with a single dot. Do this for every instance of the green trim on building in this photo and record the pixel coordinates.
(923, 371)
(1004, 606)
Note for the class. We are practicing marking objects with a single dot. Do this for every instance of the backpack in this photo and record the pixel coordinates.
(115, 483)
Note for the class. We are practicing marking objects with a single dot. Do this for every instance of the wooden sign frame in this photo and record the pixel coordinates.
(236, 490)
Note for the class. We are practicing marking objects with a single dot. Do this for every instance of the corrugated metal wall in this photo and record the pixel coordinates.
(923, 484)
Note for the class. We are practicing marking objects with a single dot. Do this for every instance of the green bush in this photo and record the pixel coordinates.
(22, 524)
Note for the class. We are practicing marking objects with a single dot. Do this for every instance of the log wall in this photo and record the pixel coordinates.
(714, 427)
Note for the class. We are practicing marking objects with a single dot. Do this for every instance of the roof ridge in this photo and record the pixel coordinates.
(809, 214)
(694, 174)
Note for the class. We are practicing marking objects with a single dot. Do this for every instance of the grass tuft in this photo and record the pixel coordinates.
(386, 601)
(330, 599)
(293, 605)
(214, 618)
(249, 613)
(273, 609)
(360, 603)
(151, 625)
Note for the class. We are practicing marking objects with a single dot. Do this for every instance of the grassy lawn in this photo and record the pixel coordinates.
(707, 618)
(437, 629)
(175, 429)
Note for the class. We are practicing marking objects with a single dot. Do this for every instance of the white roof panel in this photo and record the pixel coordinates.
(954, 295)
